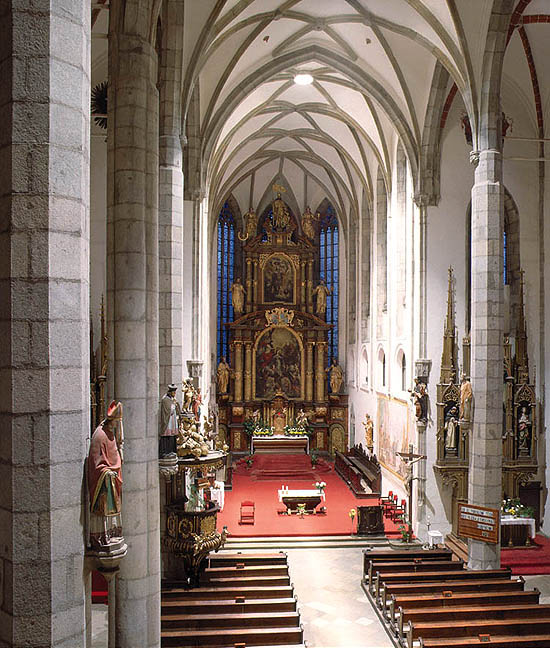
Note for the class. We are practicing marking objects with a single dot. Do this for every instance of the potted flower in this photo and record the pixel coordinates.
(352, 513)
(405, 528)
(320, 486)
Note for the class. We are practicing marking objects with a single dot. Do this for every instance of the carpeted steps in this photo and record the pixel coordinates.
(243, 599)
(280, 467)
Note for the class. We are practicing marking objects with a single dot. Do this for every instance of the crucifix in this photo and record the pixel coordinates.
(409, 459)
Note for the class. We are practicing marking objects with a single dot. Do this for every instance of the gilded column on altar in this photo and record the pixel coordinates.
(248, 286)
(303, 284)
(238, 371)
(320, 372)
(309, 371)
(248, 371)
(255, 285)
(309, 286)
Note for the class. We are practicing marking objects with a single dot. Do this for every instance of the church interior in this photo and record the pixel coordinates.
(274, 317)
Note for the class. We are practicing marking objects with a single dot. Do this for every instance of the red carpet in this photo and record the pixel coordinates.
(336, 521)
(528, 562)
(283, 467)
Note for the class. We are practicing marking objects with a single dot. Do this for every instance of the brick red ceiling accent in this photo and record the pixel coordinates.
(516, 22)
(534, 79)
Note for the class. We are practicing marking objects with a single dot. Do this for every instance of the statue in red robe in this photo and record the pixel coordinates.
(105, 479)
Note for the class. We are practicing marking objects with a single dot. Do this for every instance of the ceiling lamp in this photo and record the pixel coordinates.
(303, 79)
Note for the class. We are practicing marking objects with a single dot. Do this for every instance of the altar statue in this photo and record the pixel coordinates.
(237, 296)
(169, 413)
(336, 377)
(420, 398)
(104, 467)
(321, 293)
(281, 216)
(222, 375)
(301, 420)
(307, 223)
(524, 433)
(188, 393)
(251, 226)
(197, 404)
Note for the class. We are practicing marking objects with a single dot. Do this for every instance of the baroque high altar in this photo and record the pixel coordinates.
(279, 338)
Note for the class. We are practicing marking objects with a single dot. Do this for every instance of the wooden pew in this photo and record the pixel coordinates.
(371, 556)
(422, 601)
(447, 632)
(176, 592)
(230, 637)
(464, 614)
(228, 606)
(498, 582)
(525, 641)
(445, 576)
(417, 565)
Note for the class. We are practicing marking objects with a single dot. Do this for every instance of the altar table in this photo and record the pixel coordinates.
(291, 499)
(279, 444)
(517, 531)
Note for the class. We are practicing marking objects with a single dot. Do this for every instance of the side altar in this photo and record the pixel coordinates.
(277, 372)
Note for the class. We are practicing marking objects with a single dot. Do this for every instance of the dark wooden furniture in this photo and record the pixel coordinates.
(370, 520)
(358, 467)
(529, 495)
(310, 501)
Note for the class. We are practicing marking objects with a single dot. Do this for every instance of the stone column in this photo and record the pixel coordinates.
(170, 196)
(248, 371)
(238, 371)
(132, 294)
(309, 371)
(44, 320)
(485, 474)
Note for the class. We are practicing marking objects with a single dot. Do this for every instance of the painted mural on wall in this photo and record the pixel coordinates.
(279, 280)
(393, 433)
(278, 364)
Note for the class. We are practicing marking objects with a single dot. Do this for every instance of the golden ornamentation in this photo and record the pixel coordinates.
(279, 317)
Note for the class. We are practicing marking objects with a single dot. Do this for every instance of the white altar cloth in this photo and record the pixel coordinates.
(300, 493)
(508, 520)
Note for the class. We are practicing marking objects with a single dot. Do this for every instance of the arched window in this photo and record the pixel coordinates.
(381, 368)
(226, 262)
(329, 271)
(403, 372)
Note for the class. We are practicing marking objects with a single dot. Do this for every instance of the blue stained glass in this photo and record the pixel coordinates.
(328, 272)
(226, 254)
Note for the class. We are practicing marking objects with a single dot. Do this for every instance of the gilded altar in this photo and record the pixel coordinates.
(278, 342)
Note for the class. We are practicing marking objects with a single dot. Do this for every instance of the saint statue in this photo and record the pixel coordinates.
(336, 377)
(524, 432)
(321, 292)
(237, 296)
(170, 412)
(281, 216)
(251, 226)
(105, 479)
(307, 223)
(369, 432)
(196, 405)
(301, 420)
(451, 429)
(466, 396)
(420, 400)
(222, 375)
(188, 393)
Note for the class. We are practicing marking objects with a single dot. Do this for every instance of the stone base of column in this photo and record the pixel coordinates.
(482, 555)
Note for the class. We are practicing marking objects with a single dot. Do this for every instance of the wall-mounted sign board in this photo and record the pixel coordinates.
(478, 522)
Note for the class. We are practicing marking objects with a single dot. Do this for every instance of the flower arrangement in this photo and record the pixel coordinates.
(352, 513)
(301, 510)
(257, 428)
(314, 456)
(515, 508)
(294, 430)
(405, 529)
(320, 486)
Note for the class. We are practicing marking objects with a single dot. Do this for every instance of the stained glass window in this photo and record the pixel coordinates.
(226, 262)
(329, 273)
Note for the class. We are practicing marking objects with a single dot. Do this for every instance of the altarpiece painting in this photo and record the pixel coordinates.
(393, 433)
(278, 280)
(278, 361)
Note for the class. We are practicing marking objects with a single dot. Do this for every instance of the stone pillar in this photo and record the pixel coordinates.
(170, 196)
(44, 321)
(248, 371)
(485, 474)
(309, 371)
(320, 372)
(132, 294)
(238, 371)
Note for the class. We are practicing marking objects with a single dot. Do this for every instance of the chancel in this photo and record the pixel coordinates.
(274, 286)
